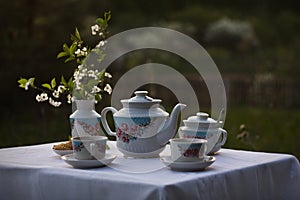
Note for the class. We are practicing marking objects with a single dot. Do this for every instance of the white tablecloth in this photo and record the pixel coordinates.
(36, 172)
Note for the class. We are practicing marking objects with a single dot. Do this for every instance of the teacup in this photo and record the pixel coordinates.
(89, 147)
(216, 137)
(201, 126)
(187, 149)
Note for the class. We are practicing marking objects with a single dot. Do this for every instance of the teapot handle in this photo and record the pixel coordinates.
(104, 120)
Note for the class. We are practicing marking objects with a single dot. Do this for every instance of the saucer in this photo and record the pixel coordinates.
(62, 152)
(71, 160)
(188, 166)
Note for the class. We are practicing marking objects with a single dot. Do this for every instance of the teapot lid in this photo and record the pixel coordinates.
(141, 98)
(201, 118)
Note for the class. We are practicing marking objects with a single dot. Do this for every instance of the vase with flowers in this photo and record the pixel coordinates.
(85, 87)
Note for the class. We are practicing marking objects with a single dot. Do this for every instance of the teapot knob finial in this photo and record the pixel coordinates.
(202, 115)
(141, 93)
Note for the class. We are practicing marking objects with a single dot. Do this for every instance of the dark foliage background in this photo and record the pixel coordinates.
(254, 43)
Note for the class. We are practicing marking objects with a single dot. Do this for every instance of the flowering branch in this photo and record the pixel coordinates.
(87, 82)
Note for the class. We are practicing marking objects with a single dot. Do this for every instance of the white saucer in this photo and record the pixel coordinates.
(71, 160)
(62, 152)
(188, 166)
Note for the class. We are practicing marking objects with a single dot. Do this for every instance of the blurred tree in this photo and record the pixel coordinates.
(33, 31)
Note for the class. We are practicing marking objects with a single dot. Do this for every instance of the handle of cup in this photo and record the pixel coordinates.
(104, 120)
(223, 135)
(205, 148)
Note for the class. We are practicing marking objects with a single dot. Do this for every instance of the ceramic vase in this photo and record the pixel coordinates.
(85, 121)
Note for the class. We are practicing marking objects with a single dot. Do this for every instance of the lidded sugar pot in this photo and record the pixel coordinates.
(204, 127)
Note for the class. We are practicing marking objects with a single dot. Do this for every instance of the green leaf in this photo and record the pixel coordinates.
(102, 75)
(22, 81)
(31, 81)
(63, 81)
(46, 85)
(53, 83)
(107, 16)
(98, 97)
(70, 81)
(73, 48)
(77, 34)
(73, 38)
(100, 21)
(91, 83)
(70, 84)
(70, 59)
(66, 48)
(62, 54)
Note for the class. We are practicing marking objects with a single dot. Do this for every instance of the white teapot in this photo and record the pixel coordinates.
(203, 127)
(142, 127)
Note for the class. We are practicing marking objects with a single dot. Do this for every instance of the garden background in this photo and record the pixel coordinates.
(254, 43)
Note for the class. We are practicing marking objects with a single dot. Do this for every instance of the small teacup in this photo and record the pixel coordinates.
(89, 147)
(216, 137)
(187, 149)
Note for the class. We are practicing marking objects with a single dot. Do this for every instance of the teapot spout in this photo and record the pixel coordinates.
(170, 127)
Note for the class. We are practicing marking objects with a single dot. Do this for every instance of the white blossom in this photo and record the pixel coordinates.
(44, 96)
(96, 89)
(91, 73)
(77, 52)
(69, 98)
(101, 43)
(54, 103)
(61, 88)
(82, 52)
(95, 29)
(55, 94)
(38, 98)
(108, 89)
(78, 75)
(27, 85)
(108, 75)
(80, 67)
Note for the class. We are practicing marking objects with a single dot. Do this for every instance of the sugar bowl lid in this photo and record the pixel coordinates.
(201, 120)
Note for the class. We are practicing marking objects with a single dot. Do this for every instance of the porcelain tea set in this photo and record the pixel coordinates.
(143, 129)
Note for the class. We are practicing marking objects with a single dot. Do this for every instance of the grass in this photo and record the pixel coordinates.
(268, 130)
